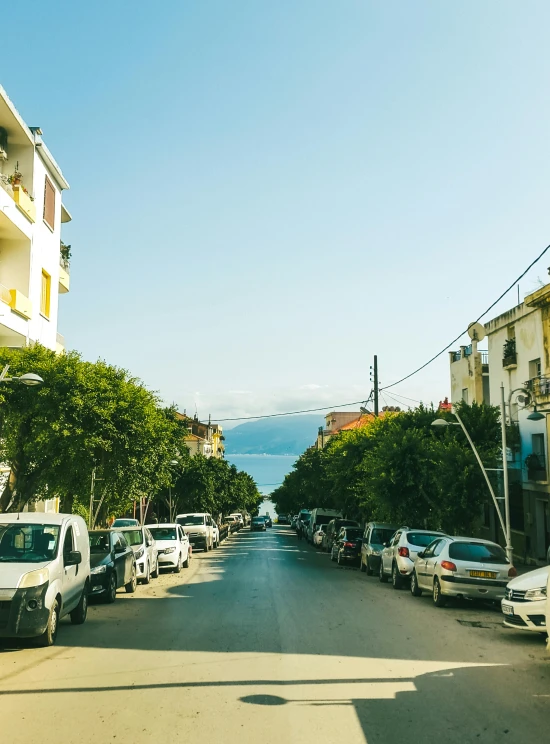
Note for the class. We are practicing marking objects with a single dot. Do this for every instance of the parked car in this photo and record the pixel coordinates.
(198, 527)
(234, 524)
(258, 524)
(461, 567)
(144, 546)
(215, 534)
(268, 520)
(525, 603)
(318, 536)
(294, 521)
(174, 549)
(239, 517)
(320, 517)
(398, 556)
(124, 522)
(283, 519)
(49, 558)
(302, 522)
(347, 546)
(375, 536)
(113, 564)
(332, 529)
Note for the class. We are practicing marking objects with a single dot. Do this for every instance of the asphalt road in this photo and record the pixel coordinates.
(265, 640)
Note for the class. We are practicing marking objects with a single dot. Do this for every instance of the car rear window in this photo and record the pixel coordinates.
(477, 553)
(380, 536)
(422, 539)
(352, 534)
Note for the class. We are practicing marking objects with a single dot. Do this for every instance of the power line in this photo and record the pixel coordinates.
(439, 353)
(405, 396)
(292, 413)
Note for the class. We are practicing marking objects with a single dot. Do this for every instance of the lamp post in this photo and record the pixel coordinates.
(29, 378)
(505, 531)
(172, 462)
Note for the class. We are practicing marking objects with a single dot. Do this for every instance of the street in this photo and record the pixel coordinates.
(265, 640)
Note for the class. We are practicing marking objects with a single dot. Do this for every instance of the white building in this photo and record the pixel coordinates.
(32, 270)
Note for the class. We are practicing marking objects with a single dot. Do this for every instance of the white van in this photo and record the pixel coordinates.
(44, 574)
(199, 527)
(318, 518)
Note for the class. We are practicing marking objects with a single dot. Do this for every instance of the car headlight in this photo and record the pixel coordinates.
(139, 554)
(377, 552)
(34, 578)
(538, 593)
(169, 550)
(98, 570)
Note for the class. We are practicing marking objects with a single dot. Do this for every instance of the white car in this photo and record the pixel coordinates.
(398, 556)
(174, 550)
(124, 522)
(144, 546)
(239, 517)
(525, 601)
(318, 536)
(198, 527)
(215, 534)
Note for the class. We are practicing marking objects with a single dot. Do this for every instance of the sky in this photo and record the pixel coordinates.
(265, 195)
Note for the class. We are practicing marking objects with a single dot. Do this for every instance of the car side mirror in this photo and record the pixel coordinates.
(421, 554)
(119, 548)
(386, 545)
(74, 558)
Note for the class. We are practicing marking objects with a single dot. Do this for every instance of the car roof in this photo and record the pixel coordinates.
(162, 524)
(478, 540)
(423, 532)
(193, 514)
(131, 528)
(385, 525)
(36, 517)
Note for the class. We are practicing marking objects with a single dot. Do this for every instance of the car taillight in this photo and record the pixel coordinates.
(349, 545)
(403, 552)
(448, 565)
(512, 572)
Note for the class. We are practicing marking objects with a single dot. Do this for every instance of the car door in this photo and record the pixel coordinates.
(129, 559)
(420, 566)
(71, 587)
(184, 544)
(389, 553)
(365, 546)
(119, 558)
(151, 548)
(432, 561)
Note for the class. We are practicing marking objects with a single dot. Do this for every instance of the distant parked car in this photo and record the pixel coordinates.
(144, 546)
(124, 522)
(461, 567)
(215, 534)
(375, 536)
(398, 557)
(294, 521)
(302, 523)
(332, 529)
(320, 517)
(234, 524)
(347, 546)
(239, 517)
(268, 520)
(525, 603)
(113, 564)
(198, 527)
(258, 524)
(173, 546)
(283, 519)
(318, 536)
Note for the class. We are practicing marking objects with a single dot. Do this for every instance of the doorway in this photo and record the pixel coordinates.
(542, 529)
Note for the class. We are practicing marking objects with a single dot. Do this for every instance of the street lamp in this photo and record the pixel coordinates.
(505, 526)
(172, 462)
(29, 378)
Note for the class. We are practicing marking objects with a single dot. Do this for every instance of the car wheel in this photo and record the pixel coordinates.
(396, 579)
(147, 577)
(362, 565)
(78, 615)
(368, 567)
(416, 591)
(111, 591)
(156, 573)
(50, 634)
(177, 567)
(131, 585)
(381, 575)
(185, 563)
(438, 598)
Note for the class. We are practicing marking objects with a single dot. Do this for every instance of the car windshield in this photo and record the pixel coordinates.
(163, 533)
(477, 552)
(99, 542)
(354, 534)
(190, 519)
(28, 543)
(421, 539)
(134, 537)
(380, 536)
(258, 520)
(125, 523)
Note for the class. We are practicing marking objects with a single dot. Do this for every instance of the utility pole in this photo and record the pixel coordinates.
(375, 385)
(508, 533)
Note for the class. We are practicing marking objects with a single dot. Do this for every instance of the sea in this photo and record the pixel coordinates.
(267, 470)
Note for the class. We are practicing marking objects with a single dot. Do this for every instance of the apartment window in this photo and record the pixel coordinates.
(511, 331)
(534, 368)
(45, 294)
(49, 203)
(465, 395)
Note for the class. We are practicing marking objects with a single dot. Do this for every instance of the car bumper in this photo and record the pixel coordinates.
(526, 615)
(405, 565)
(170, 559)
(456, 586)
(374, 560)
(141, 568)
(25, 615)
(350, 556)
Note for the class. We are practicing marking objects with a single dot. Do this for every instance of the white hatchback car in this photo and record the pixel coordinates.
(525, 601)
(174, 550)
(398, 556)
(144, 546)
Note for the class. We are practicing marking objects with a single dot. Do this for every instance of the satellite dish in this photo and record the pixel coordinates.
(476, 331)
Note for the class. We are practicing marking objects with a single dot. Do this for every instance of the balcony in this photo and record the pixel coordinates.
(540, 387)
(536, 467)
(59, 343)
(64, 275)
(509, 355)
(24, 203)
(17, 301)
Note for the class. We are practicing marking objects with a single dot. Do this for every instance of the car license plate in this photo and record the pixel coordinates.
(483, 574)
(507, 609)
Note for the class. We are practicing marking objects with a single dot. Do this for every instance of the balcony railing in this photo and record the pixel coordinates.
(511, 359)
(60, 338)
(539, 385)
(484, 357)
(65, 264)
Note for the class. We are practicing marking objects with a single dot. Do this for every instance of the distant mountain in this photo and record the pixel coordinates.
(288, 435)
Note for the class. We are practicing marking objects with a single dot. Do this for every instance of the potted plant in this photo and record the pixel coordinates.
(16, 177)
(509, 353)
(65, 251)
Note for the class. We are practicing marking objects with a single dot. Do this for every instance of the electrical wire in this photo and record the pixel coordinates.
(292, 413)
(483, 314)
(405, 396)
(401, 403)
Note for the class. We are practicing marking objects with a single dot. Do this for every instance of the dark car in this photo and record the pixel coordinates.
(376, 535)
(268, 522)
(283, 519)
(347, 546)
(332, 530)
(112, 564)
(258, 524)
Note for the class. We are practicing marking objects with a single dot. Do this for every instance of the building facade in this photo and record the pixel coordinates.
(203, 439)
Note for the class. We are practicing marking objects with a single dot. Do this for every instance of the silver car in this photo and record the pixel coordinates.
(144, 546)
(399, 554)
(461, 567)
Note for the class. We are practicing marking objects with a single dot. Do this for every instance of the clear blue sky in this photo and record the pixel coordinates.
(265, 194)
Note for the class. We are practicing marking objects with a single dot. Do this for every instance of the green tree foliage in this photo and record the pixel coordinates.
(400, 469)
